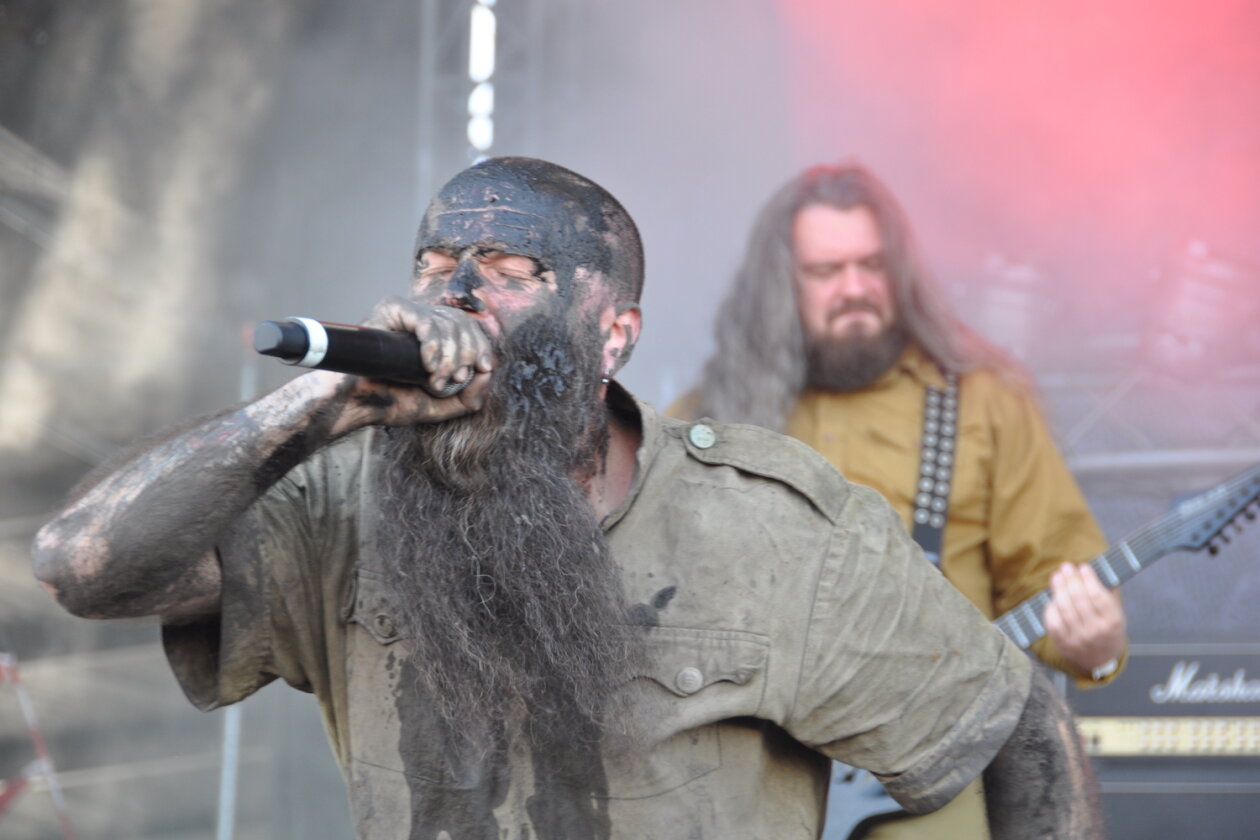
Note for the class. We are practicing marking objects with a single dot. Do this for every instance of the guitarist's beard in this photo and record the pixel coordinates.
(511, 598)
(852, 362)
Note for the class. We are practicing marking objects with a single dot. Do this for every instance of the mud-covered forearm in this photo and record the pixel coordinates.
(138, 539)
(1041, 785)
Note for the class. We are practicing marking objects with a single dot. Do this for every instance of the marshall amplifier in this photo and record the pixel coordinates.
(1176, 742)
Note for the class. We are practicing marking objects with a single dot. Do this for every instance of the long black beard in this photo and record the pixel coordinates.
(512, 606)
(853, 363)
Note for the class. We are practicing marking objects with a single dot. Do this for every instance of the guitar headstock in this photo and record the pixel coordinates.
(1201, 520)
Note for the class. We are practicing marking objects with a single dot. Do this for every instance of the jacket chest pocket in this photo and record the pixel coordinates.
(691, 680)
(372, 609)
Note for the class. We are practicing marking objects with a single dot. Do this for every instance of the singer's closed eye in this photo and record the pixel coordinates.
(513, 267)
(434, 264)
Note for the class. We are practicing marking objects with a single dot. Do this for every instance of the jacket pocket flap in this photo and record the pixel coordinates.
(685, 661)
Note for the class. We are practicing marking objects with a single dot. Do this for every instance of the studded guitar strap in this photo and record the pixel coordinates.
(936, 467)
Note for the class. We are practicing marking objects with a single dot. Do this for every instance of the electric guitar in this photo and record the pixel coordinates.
(1196, 523)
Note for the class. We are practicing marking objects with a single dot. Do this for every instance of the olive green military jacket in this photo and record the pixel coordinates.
(789, 619)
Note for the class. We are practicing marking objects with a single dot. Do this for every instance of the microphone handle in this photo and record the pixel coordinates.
(344, 348)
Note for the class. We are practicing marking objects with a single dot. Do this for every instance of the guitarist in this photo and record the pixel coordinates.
(835, 334)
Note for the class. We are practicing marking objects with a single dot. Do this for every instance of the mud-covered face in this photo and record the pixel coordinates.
(514, 237)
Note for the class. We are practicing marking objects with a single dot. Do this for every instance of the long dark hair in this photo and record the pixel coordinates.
(759, 366)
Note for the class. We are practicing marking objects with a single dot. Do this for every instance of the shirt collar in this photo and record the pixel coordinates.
(915, 363)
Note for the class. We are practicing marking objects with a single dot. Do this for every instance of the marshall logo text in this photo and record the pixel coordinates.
(1182, 687)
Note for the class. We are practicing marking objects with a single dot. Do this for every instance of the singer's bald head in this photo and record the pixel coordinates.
(532, 208)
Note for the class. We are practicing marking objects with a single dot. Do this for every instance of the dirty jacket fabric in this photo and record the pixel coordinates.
(788, 619)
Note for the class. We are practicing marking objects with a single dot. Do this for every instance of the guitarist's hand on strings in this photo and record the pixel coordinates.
(1084, 618)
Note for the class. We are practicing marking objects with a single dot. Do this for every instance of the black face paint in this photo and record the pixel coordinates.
(464, 281)
(528, 208)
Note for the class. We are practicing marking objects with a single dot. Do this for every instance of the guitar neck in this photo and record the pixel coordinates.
(1191, 525)
(1023, 624)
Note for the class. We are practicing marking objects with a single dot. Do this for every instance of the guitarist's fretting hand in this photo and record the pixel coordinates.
(1084, 618)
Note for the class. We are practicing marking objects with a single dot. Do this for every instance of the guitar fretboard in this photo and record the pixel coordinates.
(1190, 525)
(1023, 624)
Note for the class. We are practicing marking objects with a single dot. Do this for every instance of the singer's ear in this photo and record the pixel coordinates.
(619, 326)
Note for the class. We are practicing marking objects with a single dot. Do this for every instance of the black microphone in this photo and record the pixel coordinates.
(362, 351)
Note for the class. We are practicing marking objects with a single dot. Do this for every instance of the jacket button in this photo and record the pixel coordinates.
(384, 624)
(701, 436)
(689, 680)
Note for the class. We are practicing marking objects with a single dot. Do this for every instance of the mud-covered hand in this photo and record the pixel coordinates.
(453, 348)
(1084, 618)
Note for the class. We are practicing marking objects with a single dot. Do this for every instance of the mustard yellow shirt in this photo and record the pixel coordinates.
(1015, 511)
